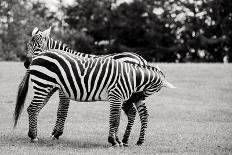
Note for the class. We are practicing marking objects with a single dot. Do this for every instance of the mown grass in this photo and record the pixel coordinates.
(195, 118)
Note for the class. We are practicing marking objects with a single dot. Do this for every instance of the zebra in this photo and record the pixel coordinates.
(85, 79)
(41, 41)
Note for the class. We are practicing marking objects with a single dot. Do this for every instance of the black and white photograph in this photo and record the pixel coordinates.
(116, 77)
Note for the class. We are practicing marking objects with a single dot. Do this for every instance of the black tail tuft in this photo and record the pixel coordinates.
(27, 62)
(22, 93)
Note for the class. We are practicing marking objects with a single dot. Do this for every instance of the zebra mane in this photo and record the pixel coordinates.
(148, 67)
(64, 45)
(50, 43)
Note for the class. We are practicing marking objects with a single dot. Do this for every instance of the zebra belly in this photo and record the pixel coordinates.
(87, 97)
(78, 92)
(78, 80)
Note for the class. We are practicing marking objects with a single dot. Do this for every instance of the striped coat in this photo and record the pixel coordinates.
(87, 79)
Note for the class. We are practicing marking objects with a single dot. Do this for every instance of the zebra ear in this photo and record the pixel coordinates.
(46, 32)
(35, 31)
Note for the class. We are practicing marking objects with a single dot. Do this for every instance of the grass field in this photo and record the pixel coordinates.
(195, 118)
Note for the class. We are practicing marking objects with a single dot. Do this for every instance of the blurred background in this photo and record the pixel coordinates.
(158, 30)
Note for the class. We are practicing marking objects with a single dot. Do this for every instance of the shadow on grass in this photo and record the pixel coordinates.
(17, 140)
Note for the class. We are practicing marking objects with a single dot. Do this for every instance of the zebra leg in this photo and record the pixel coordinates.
(116, 130)
(130, 112)
(143, 114)
(61, 116)
(114, 119)
(38, 102)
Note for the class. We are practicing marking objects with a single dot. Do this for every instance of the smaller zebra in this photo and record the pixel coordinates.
(73, 76)
(41, 42)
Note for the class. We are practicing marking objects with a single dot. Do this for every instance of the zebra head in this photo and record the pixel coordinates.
(165, 83)
(157, 82)
(37, 43)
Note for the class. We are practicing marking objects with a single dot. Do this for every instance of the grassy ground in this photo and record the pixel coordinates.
(195, 118)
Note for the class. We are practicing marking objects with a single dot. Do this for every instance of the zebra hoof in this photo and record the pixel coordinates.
(125, 144)
(34, 140)
(112, 141)
(53, 137)
(115, 146)
(139, 143)
(56, 134)
(120, 143)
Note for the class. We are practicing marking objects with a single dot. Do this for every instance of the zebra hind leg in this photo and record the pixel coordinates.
(130, 112)
(38, 102)
(61, 116)
(143, 114)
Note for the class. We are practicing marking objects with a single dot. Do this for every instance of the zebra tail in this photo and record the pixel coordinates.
(21, 96)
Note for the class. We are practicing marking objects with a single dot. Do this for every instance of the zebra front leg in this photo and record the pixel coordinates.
(114, 119)
(61, 116)
(38, 102)
(120, 143)
(130, 112)
(143, 114)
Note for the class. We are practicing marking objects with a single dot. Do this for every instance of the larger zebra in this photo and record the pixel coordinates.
(41, 41)
(86, 79)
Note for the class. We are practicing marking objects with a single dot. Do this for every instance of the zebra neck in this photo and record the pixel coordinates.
(56, 44)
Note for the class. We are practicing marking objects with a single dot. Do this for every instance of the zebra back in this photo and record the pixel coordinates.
(132, 78)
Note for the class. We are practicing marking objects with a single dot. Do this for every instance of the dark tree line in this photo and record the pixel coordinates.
(167, 31)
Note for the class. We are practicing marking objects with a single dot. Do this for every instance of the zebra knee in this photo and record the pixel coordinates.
(29, 110)
(32, 111)
(146, 114)
(128, 108)
(132, 110)
(143, 112)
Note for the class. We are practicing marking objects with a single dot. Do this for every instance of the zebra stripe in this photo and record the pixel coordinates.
(119, 88)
